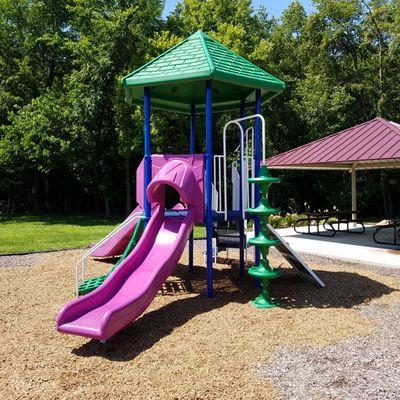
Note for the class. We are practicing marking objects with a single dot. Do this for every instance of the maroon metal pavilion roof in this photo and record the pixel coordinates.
(373, 144)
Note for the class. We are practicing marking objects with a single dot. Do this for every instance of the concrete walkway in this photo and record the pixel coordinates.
(346, 246)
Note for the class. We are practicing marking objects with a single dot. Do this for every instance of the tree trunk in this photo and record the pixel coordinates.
(37, 205)
(384, 196)
(96, 203)
(380, 55)
(47, 191)
(106, 206)
(128, 187)
(389, 201)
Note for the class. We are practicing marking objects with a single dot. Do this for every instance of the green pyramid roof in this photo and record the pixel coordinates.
(177, 77)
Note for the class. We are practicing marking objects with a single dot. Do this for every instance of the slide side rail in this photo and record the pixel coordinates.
(80, 267)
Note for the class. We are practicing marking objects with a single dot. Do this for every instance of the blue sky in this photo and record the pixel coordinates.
(274, 7)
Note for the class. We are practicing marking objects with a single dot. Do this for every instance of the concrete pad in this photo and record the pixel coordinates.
(346, 246)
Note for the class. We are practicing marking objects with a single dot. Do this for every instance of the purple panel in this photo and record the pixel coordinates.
(159, 160)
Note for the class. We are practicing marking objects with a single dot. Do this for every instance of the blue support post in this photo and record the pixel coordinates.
(257, 160)
(192, 129)
(192, 146)
(241, 221)
(147, 154)
(208, 187)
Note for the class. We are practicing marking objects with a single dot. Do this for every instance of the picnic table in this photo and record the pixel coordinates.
(329, 219)
(391, 225)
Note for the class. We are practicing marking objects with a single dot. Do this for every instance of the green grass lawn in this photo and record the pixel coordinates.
(29, 233)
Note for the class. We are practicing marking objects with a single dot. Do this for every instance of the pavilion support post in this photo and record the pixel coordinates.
(242, 239)
(257, 160)
(209, 179)
(354, 193)
(192, 149)
(147, 154)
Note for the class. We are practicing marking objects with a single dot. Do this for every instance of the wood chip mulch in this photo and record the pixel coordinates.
(185, 346)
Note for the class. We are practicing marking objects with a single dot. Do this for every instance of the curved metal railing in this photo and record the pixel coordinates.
(237, 122)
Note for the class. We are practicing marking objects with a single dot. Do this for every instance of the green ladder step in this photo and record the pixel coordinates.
(263, 210)
(265, 179)
(263, 241)
(91, 284)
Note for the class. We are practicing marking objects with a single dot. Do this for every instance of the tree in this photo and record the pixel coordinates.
(33, 53)
(70, 142)
(36, 142)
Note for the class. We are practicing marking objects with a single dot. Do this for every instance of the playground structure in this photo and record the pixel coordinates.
(199, 75)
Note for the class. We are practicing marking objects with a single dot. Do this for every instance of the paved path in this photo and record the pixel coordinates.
(351, 247)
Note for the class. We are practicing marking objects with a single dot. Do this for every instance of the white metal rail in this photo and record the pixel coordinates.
(217, 183)
(237, 122)
(248, 168)
(80, 275)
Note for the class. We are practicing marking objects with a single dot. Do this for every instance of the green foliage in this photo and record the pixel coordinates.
(284, 221)
(67, 137)
(61, 104)
(36, 135)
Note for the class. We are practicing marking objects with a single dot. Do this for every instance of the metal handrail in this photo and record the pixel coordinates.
(80, 277)
(217, 183)
(251, 157)
(248, 158)
(242, 133)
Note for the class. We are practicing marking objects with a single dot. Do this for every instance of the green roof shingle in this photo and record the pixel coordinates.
(177, 77)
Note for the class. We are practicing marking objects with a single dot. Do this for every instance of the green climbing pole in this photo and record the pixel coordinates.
(90, 284)
(263, 271)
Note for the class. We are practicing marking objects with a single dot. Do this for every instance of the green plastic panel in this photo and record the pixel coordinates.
(187, 60)
(233, 68)
(177, 77)
(263, 241)
(90, 284)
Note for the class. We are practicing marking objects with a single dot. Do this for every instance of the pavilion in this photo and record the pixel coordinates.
(374, 144)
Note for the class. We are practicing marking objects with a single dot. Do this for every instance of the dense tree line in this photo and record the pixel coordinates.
(70, 143)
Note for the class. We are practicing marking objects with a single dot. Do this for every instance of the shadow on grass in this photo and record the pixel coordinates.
(53, 219)
(343, 290)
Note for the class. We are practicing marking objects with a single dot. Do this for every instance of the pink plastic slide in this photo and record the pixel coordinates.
(131, 287)
(116, 244)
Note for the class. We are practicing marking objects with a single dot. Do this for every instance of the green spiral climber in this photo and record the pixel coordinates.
(263, 271)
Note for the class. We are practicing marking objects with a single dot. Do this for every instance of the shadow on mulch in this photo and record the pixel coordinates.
(343, 290)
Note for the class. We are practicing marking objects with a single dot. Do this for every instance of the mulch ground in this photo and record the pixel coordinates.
(185, 346)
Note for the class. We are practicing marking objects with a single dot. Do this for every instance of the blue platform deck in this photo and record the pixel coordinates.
(233, 215)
